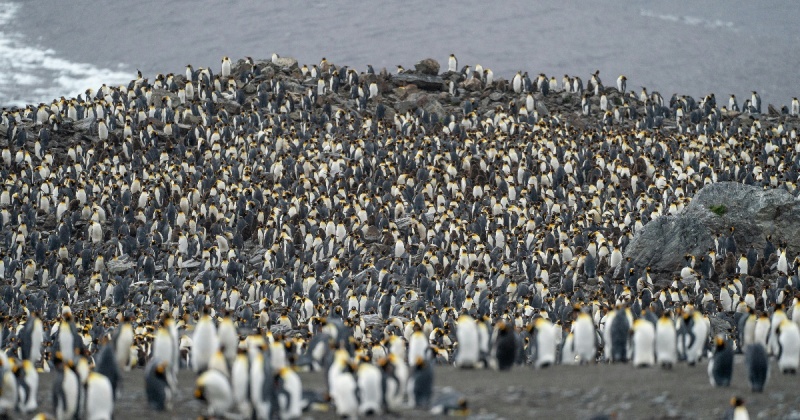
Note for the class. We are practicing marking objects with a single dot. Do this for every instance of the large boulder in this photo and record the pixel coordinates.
(427, 66)
(752, 211)
(422, 81)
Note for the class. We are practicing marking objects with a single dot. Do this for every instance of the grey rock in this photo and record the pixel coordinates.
(473, 85)
(422, 81)
(753, 212)
(427, 66)
(286, 62)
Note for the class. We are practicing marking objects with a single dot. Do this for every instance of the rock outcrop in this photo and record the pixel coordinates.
(752, 211)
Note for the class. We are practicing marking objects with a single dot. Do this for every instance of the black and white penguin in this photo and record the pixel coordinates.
(622, 84)
(289, 392)
(66, 389)
(123, 340)
(240, 383)
(9, 389)
(720, 365)
(371, 389)
(420, 383)
(99, 398)
(205, 344)
(666, 341)
(452, 63)
(29, 382)
(468, 353)
(789, 346)
(213, 387)
(619, 335)
(584, 338)
(506, 346)
(343, 388)
(643, 343)
(157, 389)
(737, 410)
(544, 341)
(757, 362)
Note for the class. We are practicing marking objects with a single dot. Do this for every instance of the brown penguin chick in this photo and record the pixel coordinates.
(729, 265)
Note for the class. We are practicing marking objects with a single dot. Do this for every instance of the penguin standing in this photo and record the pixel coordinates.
(468, 352)
(720, 366)
(343, 389)
(205, 343)
(643, 343)
(30, 383)
(693, 336)
(261, 384)
(99, 397)
(9, 392)
(290, 393)
(417, 345)
(757, 363)
(66, 389)
(506, 350)
(619, 333)
(31, 339)
(213, 387)
(420, 384)
(370, 385)
(789, 346)
(737, 410)
(452, 63)
(123, 340)
(240, 383)
(666, 341)
(544, 342)
(157, 389)
(395, 380)
(584, 340)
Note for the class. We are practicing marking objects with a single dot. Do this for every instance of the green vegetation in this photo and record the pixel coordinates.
(719, 209)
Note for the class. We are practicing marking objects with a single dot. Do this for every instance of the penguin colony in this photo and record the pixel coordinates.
(272, 218)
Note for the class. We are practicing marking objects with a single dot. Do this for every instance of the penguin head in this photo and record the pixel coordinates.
(719, 342)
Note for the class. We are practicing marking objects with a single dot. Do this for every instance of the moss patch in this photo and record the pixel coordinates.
(719, 209)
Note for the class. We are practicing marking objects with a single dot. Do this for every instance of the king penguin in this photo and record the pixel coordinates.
(643, 342)
(99, 397)
(343, 389)
(66, 389)
(620, 334)
(737, 410)
(158, 391)
(757, 363)
(9, 390)
(544, 342)
(788, 346)
(666, 341)
(584, 340)
(720, 366)
(213, 387)
(452, 63)
(420, 384)
(468, 353)
(289, 390)
(506, 346)
(370, 385)
(417, 345)
(205, 343)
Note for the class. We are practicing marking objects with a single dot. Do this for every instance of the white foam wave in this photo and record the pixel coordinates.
(690, 20)
(30, 74)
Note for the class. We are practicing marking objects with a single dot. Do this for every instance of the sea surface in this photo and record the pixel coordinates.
(55, 48)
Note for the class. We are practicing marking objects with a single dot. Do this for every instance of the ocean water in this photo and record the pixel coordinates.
(52, 48)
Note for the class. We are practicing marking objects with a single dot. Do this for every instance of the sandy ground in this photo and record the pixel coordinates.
(573, 392)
